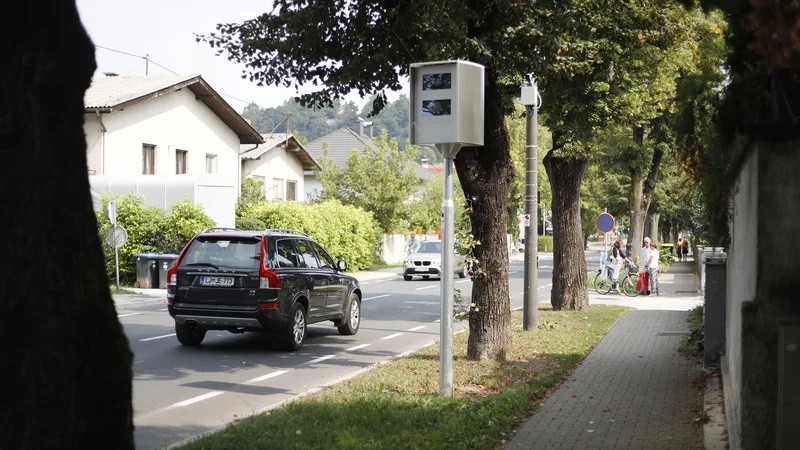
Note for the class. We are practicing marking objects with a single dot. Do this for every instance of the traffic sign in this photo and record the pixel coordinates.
(116, 236)
(605, 222)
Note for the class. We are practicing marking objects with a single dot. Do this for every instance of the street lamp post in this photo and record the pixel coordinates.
(531, 99)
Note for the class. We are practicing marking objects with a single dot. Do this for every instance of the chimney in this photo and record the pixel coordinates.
(425, 163)
(111, 74)
(360, 126)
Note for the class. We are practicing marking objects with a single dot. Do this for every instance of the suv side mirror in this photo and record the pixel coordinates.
(341, 265)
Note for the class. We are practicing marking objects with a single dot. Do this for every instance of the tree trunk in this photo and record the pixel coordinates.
(569, 261)
(485, 173)
(67, 364)
(651, 230)
(641, 195)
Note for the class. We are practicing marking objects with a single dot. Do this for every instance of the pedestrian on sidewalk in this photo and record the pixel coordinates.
(644, 275)
(685, 249)
(678, 249)
(615, 260)
(652, 268)
(412, 244)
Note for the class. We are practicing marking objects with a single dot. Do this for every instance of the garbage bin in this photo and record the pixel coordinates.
(164, 264)
(146, 271)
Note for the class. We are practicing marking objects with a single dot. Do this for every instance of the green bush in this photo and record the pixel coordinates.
(545, 241)
(150, 230)
(250, 223)
(347, 232)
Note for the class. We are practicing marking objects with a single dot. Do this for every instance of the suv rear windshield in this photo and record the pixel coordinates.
(229, 252)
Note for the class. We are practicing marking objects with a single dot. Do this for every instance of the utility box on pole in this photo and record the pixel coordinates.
(447, 111)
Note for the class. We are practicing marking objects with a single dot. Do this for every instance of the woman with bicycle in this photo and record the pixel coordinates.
(615, 262)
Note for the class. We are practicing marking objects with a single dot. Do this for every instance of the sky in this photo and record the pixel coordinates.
(164, 30)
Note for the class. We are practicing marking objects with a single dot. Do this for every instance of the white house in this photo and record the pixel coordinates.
(279, 164)
(170, 125)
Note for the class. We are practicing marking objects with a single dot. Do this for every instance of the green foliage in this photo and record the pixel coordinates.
(305, 123)
(379, 181)
(544, 243)
(150, 230)
(250, 223)
(345, 231)
(425, 210)
(252, 192)
(693, 346)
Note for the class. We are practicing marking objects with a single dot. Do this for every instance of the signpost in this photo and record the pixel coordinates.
(116, 236)
(531, 99)
(446, 110)
(605, 222)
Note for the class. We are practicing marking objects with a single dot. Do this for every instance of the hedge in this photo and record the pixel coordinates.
(346, 232)
(150, 230)
(545, 241)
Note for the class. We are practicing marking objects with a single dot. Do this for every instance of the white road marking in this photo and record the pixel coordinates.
(549, 284)
(512, 273)
(427, 287)
(126, 315)
(199, 398)
(378, 296)
(365, 282)
(267, 376)
(357, 347)
(165, 309)
(157, 337)
(417, 328)
(463, 281)
(437, 320)
(391, 336)
(314, 361)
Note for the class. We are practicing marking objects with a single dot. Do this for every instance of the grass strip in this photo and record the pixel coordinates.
(120, 291)
(396, 406)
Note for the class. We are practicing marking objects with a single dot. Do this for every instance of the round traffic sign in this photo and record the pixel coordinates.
(605, 222)
(116, 236)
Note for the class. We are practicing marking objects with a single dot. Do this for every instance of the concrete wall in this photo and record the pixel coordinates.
(762, 271)
(175, 121)
(312, 187)
(277, 165)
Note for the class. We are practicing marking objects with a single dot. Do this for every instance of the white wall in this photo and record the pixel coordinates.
(312, 187)
(277, 163)
(175, 121)
(741, 272)
(94, 143)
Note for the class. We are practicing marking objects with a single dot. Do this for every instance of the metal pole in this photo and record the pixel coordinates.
(116, 255)
(448, 248)
(529, 304)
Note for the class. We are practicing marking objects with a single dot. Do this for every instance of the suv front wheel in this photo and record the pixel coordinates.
(188, 336)
(293, 336)
(352, 319)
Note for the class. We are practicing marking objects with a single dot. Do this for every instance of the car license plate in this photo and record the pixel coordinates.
(422, 270)
(216, 281)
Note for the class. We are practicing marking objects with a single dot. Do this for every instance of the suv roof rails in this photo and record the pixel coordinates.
(285, 230)
(220, 229)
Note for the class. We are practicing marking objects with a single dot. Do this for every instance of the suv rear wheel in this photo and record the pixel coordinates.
(293, 336)
(188, 336)
(352, 319)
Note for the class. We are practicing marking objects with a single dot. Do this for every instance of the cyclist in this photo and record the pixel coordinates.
(615, 259)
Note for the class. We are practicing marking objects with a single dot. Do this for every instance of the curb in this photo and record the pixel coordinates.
(715, 433)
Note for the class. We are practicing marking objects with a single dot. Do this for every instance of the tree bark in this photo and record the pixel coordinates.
(641, 195)
(569, 261)
(67, 364)
(651, 228)
(485, 173)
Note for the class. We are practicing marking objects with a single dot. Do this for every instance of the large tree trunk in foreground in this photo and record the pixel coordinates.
(485, 173)
(66, 364)
(569, 262)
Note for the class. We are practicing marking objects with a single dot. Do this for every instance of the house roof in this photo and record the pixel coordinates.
(110, 94)
(341, 144)
(273, 140)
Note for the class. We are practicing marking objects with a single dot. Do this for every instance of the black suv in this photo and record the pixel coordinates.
(275, 280)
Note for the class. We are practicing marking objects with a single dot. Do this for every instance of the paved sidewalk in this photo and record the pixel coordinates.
(633, 391)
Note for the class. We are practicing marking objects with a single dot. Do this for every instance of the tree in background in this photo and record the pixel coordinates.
(67, 367)
(425, 210)
(308, 124)
(379, 181)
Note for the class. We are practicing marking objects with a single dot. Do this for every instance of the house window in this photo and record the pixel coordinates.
(148, 159)
(291, 191)
(181, 157)
(277, 189)
(211, 163)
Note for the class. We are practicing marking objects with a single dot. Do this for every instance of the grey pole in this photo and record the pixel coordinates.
(116, 254)
(448, 248)
(532, 101)
(529, 310)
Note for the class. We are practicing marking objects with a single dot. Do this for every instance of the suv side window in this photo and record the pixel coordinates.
(324, 258)
(285, 254)
(307, 256)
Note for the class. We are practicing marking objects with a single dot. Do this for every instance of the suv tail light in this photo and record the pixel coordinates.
(267, 278)
(172, 272)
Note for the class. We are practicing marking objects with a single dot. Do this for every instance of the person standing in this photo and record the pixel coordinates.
(615, 260)
(645, 258)
(685, 250)
(412, 244)
(653, 268)
(678, 250)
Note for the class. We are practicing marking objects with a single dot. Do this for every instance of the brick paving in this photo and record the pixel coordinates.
(633, 391)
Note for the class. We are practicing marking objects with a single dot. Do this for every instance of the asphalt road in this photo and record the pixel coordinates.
(180, 392)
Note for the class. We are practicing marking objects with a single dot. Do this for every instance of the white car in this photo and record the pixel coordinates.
(427, 261)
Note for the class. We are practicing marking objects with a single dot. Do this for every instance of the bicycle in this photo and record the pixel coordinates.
(604, 284)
